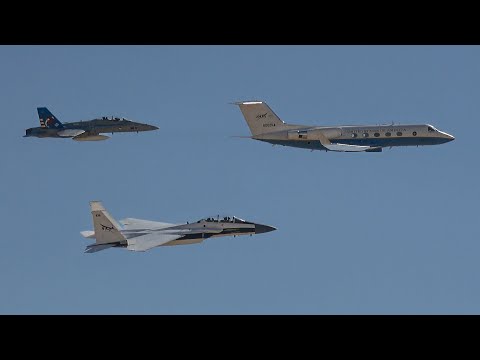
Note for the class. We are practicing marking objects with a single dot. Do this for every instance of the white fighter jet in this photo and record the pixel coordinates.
(142, 235)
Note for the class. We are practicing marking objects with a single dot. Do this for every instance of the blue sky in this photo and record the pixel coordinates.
(369, 233)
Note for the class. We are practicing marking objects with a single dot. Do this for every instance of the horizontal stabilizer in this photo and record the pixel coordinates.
(89, 234)
(351, 148)
(94, 248)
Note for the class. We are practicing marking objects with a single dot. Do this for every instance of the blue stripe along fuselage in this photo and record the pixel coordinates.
(129, 234)
(371, 141)
(225, 232)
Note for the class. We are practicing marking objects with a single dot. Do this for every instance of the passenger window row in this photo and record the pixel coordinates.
(387, 134)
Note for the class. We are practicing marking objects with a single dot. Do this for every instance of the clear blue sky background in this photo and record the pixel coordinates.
(369, 233)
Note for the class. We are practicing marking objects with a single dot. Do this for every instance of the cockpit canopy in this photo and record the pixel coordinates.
(112, 118)
(431, 128)
(223, 219)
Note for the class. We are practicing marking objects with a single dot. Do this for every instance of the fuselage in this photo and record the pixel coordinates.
(91, 127)
(368, 135)
(142, 235)
(203, 229)
(266, 126)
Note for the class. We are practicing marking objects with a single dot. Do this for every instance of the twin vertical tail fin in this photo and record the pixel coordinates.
(106, 229)
(48, 120)
(259, 117)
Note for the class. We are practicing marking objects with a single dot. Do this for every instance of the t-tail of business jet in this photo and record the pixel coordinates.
(266, 126)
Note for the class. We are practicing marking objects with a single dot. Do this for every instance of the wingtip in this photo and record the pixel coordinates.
(247, 102)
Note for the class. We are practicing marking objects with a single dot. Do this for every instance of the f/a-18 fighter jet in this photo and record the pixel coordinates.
(142, 235)
(89, 130)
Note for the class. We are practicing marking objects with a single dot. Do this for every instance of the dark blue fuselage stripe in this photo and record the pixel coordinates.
(383, 142)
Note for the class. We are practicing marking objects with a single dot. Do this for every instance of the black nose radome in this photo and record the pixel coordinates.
(259, 229)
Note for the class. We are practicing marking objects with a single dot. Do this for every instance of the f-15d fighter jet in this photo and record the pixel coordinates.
(142, 235)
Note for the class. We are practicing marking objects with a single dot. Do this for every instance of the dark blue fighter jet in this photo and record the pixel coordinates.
(90, 130)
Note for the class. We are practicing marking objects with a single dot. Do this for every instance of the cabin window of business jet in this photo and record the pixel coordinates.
(365, 134)
(354, 135)
(388, 134)
(399, 133)
(376, 134)
(414, 133)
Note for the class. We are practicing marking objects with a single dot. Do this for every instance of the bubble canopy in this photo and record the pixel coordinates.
(113, 118)
(224, 219)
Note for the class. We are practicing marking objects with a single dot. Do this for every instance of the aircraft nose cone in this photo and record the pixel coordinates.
(151, 127)
(447, 137)
(260, 229)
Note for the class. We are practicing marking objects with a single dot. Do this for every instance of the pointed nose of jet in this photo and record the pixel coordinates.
(260, 229)
(446, 137)
(145, 127)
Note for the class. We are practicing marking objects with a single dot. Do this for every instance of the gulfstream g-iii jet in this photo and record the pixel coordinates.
(142, 235)
(51, 127)
(266, 126)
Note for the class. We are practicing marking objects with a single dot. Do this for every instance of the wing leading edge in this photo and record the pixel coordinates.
(345, 147)
(162, 237)
(135, 224)
(149, 241)
(351, 148)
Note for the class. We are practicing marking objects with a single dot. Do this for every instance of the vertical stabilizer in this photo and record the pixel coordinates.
(48, 120)
(259, 117)
(106, 228)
